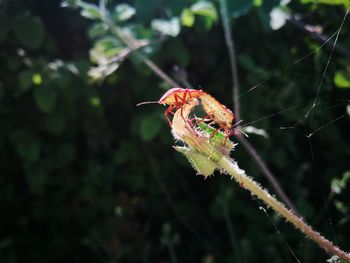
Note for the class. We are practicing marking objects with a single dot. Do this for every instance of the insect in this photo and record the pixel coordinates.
(175, 98)
(219, 114)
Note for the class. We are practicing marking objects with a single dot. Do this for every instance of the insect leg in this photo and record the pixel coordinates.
(213, 133)
(166, 112)
(180, 102)
(229, 133)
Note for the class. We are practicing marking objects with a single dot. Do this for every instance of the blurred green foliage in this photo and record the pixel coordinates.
(85, 176)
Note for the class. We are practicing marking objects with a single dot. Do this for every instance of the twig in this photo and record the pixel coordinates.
(318, 36)
(235, 80)
(130, 42)
(232, 56)
(248, 183)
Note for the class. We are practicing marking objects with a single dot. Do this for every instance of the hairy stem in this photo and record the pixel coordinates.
(246, 182)
(266, 171)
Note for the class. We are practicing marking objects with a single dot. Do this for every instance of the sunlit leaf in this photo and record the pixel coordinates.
(346, 3)
(89, 10)
(341, 80)
(167, 27)
(37, 79)
(187, 18)
(205, 8)
(124, 12)
(258, 3)
(97, 30)
(278, 18)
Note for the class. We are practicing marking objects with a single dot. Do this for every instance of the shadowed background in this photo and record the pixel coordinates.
(85, 175)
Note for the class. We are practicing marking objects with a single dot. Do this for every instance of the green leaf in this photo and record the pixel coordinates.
(37, 79)
(205, 8)
(124, 12)
(167, 27)
(187, 18)
(107, 47)
(338, 185)
(341, 80)
(89, 10)
(199, 162)
(346, 3)
(278, 18)
(97, 30)
(45, 98)
(29, 31)
(258, 3)
(150, 127)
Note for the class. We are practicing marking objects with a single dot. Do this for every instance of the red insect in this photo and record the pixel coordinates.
(175, 98)
(219, 114)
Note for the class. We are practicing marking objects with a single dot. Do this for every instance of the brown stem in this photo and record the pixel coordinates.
(235, 81)
(319, 37)
(232, 56)
(130, 42)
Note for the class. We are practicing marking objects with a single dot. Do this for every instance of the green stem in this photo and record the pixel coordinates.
(246, 182)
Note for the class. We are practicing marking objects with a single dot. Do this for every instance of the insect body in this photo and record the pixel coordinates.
(176, 98)
(218, 113)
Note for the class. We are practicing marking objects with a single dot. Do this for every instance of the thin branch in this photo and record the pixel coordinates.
(248, 183)
(310, 30)
(232, 56)
(235, 81)
(130, 42)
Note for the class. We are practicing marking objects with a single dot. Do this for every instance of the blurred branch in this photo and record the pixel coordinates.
(130, 42)
(315, 34)
(235, 81)
(232, 56)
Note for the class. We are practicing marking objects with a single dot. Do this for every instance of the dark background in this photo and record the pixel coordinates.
(86, 176)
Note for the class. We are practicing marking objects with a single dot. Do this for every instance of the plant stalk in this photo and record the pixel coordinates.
(246, 182)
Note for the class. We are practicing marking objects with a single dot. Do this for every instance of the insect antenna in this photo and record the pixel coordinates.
(147, 102)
